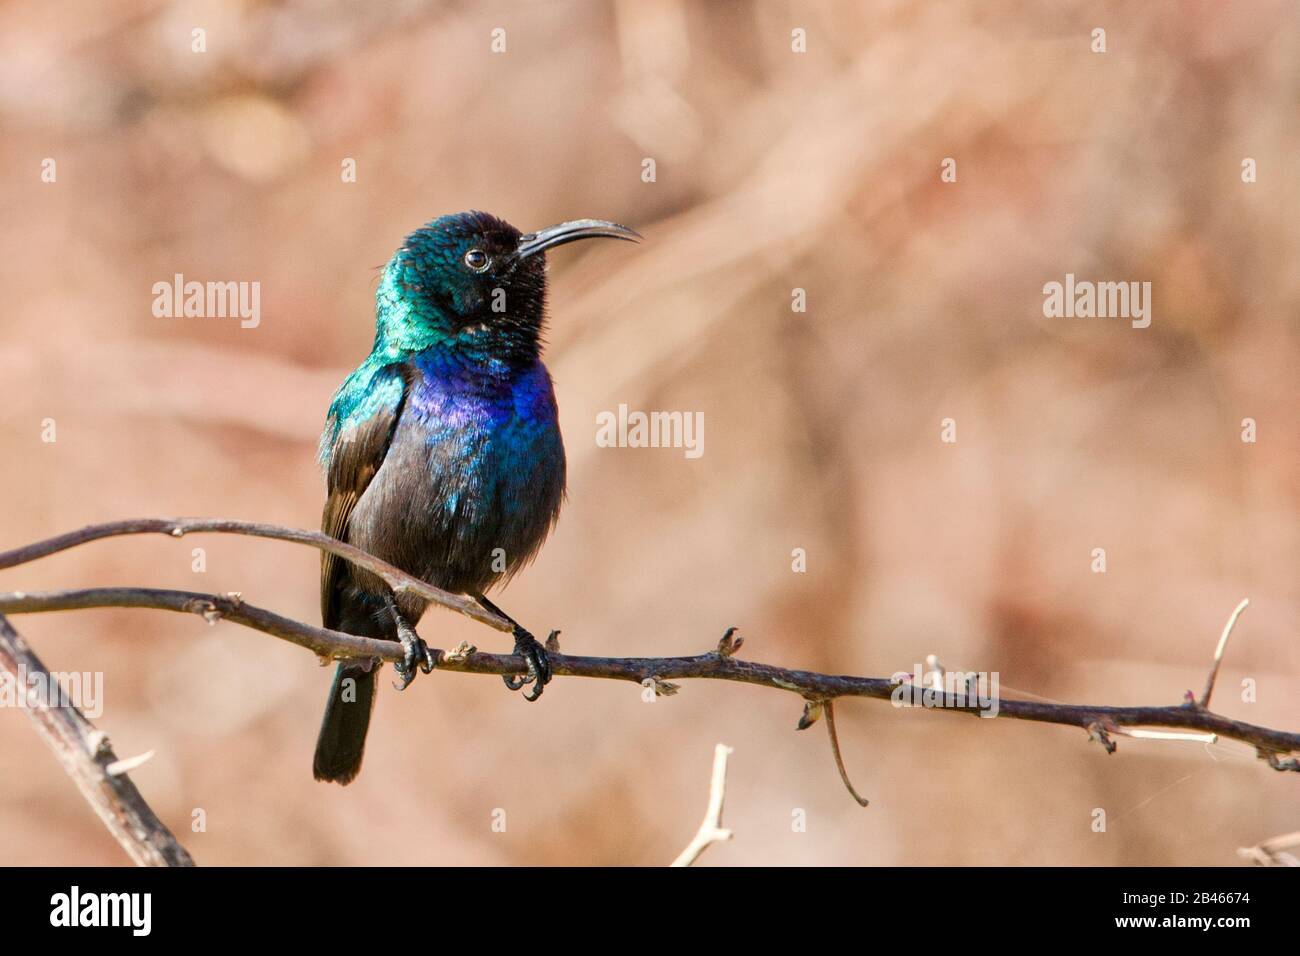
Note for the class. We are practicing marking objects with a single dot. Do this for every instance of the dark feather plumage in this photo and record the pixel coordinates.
(442, 450)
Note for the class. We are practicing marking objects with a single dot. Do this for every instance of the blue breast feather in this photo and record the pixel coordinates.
(500, 438)
(494, 441)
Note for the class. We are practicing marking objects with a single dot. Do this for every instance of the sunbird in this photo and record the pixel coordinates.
(442, 450)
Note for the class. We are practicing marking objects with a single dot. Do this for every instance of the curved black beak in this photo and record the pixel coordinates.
(552, 236)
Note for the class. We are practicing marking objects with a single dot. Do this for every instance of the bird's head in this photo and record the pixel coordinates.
(474, 283)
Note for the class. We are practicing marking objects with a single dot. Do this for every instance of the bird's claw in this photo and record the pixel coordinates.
(415, 654)
(539, 666)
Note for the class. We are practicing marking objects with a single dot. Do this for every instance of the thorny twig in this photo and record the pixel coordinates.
(1278, 851)
(88, 758)
(711, 830)
(1277, 747)
(1218, 651)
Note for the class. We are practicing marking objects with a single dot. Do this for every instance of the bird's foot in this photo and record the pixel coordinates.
(539, 666)
(415, 654)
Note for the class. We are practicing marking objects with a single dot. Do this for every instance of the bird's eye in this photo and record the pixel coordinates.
(477, 260)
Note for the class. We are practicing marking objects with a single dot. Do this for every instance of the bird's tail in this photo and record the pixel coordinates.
(342, 740)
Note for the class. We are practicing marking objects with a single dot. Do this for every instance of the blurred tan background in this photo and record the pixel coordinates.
(775, 170)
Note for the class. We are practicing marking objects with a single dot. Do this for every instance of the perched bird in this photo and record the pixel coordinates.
(442, 450)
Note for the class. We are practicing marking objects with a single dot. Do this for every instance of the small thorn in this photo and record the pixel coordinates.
(1204, 702)
(206, 609)
(97, 741)
(731, 642)
(812, 712)
(839, 758)
(935, 671)
(460, 652)
(1278, 762)
(664, 689)
(1098, 733)
(553, 642)
(119, 767)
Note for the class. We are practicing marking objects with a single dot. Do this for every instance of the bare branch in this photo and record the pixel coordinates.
(839, 758)
(1218, 651)
(711, 666)
(88, 759)
(1277, 747)
(1277, 851)
(212, 608)
(711, 830)
(1168, 735)
(397, 579)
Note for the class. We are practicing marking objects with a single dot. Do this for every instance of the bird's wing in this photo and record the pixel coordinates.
(354, 452)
